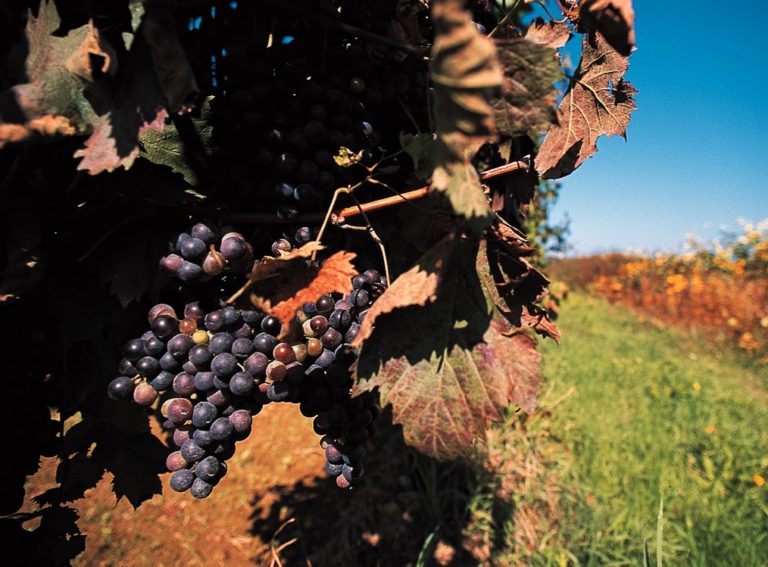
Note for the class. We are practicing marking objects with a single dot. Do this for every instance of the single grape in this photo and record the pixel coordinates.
(144, 394)
(204, 381)
(340, 319)
(191, 451)
(325, 359)
(314, 347)
(231, 317)
(200, 355)
(279, 392)
(214, 321)
(352, 331)
(192, 249)
(256, 364)
(331, 339)
(203, 438)
(224, 365)
(283, 352)
(241, 384)
(221, 429)
(165, 326)
(162, 381)
(200, 337)
(134, 350)
(148, 367)
(280, 247)
(201, 489)
(204, 233)
(318, 324)
(233, 248)
(168, 363)
(184, 384)
(219, 398)
(333, 453)
(276, 371)
(177, 410)
(182, 480)
(271, 325)
(189, 272)
(194, 311)
(175, 462)
(264, 343)
(171, 264)
(303, 235)
(242, 347)
(241, 421)
(126, 368)
(121, 388)
(221, 342)
(204, 414)
(207, 469)
(187, 326)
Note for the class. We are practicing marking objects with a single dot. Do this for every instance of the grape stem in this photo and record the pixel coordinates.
(420, 193)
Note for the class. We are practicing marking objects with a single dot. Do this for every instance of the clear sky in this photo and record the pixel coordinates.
(696, 155)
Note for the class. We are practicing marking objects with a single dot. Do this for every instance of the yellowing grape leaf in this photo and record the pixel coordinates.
(549, 34)
(599, 102)
(613, 19)
(465, 73)
(449, 369)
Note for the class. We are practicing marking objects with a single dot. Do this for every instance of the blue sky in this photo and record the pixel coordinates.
(697, 151)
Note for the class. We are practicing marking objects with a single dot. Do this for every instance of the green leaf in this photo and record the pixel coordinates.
(167, 148)
(447, 381)
(421, 149)
(460, 182)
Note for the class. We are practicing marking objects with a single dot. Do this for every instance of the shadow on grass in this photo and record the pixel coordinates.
(411, 510)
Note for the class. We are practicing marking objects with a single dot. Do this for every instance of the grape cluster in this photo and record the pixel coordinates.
(216, 370)
(280, 134)
(194, 256)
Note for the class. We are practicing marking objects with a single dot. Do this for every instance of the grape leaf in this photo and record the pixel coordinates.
(613, 19)
(465, 72)
(450, 368)
(167, 148)
(598, 102)
(417, 286)
(136, 466)
(549, 34)
(528, 98)
(280, 286)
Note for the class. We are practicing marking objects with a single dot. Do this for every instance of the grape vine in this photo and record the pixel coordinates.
(319, 203)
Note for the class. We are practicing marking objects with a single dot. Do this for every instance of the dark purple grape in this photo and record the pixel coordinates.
(351, 474)
(264, 343)
(200, 355)
(189, 272)
(325, 304)
(224, 365)
(271, 325)
(134, 350)
(318, 324)
(252, 318)
(204, 414)
(165, 326)
(241, 421)
(193, 249)
(331, 339)
(241, 348)
(202, 438)
(325, 359)
(286, 163)
(346, 355)
(241, 384)
(303, 235)
(256, 364)
(175, 462)
(191, 451)
(315, 131)
(190, 367)
(194, 312)
(154, 346)
(351, 334)
(201, 489)
(373, 275)
(214, 321)
(333, 453)
(180, 345)
(204, 381)
(231, 317)
(178, 410)
(221, 429)
(233, 248)
(168, 363)
(184, 384)
(207, 469)
(148, 367)
(162, 381)
(340, 319)
(244, 331)
(359, 281)
(214, 263)
(220, 342)
(360, 298)
(121, 388)
(180, 240)
(204, 233)
(126, 368)
(182, 480)
(220, 383)
(343, 304)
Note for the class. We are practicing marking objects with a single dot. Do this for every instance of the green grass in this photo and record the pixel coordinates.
(648, 414)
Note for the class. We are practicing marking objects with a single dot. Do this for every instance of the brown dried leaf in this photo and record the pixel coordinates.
(598, 102)
(614, 19)
(46, 125)
(549, 34)
(450, 368)
(465, 72)
(280, 286)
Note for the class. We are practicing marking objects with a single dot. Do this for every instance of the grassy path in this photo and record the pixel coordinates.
(650, 413)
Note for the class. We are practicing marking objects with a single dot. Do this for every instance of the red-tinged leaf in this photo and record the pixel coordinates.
(417, 286)
(613, 19)
(528, 97)
(280, 286)
(465, 73)
(450, 369)
(598, 103)
(94, 49)
(549, 34)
